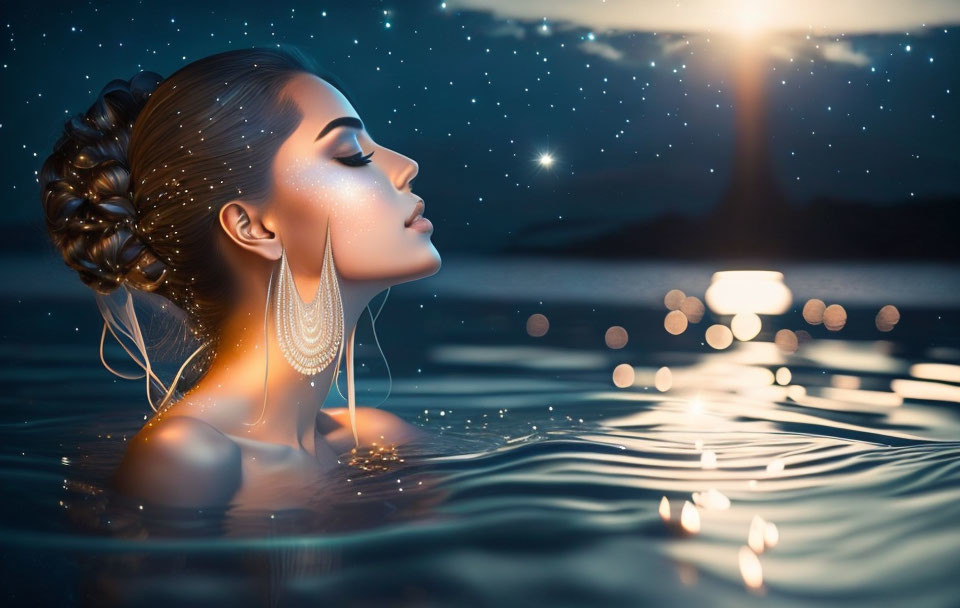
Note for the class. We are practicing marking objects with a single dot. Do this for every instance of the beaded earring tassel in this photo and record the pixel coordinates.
(310, 334)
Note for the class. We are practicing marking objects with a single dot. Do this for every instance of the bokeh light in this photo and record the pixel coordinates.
(675, 322)
(624, 375)
(755, 534)
(719, 336)
(537, 325)
(887, 318)
(745, 326)
(813, 311)
(690, 517)
(693, 308)
(673, 299)
(663, 380)
(787, 341)
(834, 317)
(615, 337)
(750, 568)
(757, 291)
(711, 500)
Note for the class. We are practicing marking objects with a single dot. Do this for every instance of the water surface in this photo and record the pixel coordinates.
(544, 482)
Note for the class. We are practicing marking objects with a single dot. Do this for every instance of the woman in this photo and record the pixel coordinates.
(246, 190)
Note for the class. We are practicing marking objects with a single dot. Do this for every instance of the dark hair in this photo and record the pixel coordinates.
(133, 188)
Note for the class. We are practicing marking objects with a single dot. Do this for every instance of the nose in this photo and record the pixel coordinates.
(406, 169)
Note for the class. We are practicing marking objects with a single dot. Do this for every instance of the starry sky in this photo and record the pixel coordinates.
(562, 113)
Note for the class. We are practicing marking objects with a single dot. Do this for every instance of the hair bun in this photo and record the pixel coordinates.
(87, 199)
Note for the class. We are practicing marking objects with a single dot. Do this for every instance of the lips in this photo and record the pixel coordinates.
(417, 211)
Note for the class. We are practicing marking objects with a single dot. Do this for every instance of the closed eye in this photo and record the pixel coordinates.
(355, 160)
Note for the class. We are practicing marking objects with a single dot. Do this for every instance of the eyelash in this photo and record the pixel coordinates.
(355, 160)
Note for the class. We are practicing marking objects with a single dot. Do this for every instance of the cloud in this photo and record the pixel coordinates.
(602, 49)
(842, 52)
(817, 17)
(837, 51)
(508, 28)
(670, 46)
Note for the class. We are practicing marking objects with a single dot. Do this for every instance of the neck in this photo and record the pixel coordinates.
(231, 394)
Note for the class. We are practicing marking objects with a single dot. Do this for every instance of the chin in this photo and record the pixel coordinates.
(428, 266)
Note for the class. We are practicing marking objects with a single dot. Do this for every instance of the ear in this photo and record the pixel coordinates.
(246, 226)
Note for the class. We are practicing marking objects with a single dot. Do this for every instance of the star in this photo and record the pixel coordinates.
(545, 160)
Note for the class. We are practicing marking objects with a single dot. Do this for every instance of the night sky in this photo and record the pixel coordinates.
(638, 120)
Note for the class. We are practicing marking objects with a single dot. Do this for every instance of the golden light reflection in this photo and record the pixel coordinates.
(847, 400)
(750, 568)
(374, 458)
(695, 408)
(708, 459)
(745, 326)
(663, 379)
(757, 291)
(664, 509)
(834, 317)
(936, 371)
(623, 375)
(717, 375)
(783, 376)
(887, 318)
(616, 337)
(755, 534)
(852, 395)
(796, 392)
(859, 357)
(690, 518)
(771, 535)
(673, 299)
(922, 389)
(845, 381)
(719, 336)
(537, 325)
(712, 500)
(675, 322)
(775, 466)
(813, 311)
(762, 535)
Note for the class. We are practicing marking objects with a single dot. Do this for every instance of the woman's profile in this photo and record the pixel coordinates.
(245, 189)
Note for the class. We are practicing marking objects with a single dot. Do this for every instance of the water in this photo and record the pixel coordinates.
(544, 481)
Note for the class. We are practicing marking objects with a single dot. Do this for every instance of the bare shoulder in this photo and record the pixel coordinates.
(373, 426)
(181, 461)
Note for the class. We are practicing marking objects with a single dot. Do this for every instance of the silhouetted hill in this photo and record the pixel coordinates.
(824, 228)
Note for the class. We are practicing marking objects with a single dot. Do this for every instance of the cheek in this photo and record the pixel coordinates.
(339, 191)
(358, 203)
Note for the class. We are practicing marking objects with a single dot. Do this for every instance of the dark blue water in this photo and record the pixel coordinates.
(543, 483)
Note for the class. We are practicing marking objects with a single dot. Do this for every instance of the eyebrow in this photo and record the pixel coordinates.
(343, 121)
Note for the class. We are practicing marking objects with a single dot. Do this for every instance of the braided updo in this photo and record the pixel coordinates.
(86, 192)
(134, 186)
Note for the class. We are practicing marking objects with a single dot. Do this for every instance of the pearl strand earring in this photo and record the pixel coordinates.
(310, 334)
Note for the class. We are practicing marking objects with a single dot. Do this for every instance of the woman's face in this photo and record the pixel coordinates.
(367, 205)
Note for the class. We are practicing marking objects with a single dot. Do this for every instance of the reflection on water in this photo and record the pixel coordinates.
(582, 455)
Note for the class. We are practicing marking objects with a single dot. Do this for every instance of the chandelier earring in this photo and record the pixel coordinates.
(310, 334)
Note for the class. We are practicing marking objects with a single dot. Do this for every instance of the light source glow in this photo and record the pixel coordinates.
(758, 291)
